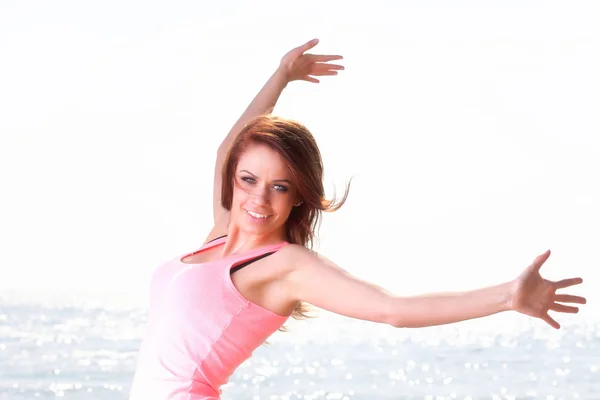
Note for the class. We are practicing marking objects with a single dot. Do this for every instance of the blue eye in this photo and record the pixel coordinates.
(251, 181)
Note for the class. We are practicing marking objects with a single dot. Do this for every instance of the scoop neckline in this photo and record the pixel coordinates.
(218, 242)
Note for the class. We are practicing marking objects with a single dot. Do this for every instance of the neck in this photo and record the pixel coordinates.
(239, 240)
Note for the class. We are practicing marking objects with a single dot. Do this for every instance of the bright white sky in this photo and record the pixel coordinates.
(472, 131)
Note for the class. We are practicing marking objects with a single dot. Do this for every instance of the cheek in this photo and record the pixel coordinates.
(239, 197)
(283, 204)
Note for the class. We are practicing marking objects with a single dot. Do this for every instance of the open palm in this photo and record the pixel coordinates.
(535, 296)
(299, 65)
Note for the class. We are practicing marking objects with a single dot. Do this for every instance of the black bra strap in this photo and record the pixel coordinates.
(242, 265)
(217, 238)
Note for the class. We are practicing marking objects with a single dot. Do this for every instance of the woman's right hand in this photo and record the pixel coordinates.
(299, 65)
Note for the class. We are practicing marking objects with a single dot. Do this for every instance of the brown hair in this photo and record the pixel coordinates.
(299, 149)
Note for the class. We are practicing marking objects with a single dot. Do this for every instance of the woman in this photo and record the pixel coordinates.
(210, 309)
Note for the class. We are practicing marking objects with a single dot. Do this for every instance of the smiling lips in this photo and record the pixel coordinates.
(256, 215)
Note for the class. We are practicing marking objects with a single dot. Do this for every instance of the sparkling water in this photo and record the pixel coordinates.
(83, 352)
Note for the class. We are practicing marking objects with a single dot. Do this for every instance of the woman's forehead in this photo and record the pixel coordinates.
(262, 159)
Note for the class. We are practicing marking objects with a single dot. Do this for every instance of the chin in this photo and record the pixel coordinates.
(261, 227)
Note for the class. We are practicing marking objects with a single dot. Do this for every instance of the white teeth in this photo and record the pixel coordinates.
(256, 215)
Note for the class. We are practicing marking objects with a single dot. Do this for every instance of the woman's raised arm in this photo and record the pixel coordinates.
(315, 280)
(295, 65)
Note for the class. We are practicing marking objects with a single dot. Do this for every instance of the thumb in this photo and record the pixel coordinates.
(540, 260)
(307, 46)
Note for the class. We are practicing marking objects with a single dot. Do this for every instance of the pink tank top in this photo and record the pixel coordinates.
(200, 328)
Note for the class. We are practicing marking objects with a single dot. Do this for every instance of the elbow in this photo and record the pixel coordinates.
(399, 315)
(224, 147)
(221, 150)
(221, 156)
(393, 316)
(398, 323)
(405, 321)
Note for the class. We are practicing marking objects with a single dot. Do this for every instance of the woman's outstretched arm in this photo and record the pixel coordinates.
(295, 65)
(316, 280)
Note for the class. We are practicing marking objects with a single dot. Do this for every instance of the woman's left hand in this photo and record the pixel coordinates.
(535, 296)
(297, 64)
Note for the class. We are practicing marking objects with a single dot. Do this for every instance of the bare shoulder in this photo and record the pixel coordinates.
(316, 280)
(298, 259)
(295, 255)
(291, 249)
(282, 262)
(280, 266)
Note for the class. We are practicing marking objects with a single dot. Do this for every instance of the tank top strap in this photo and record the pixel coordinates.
(211, 244)
(205, 246)
(238, 259)
(214, 242)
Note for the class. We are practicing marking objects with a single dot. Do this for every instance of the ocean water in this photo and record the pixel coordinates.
(74, 351)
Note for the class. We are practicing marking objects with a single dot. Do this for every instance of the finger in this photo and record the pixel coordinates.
(550, 321)
(307, 46)
(323, 73)
(563, 308)
(540, 260)
(321, 58)
(567, 282)
(568, 298)
(320, 66)
(326, 67)
(309, 79)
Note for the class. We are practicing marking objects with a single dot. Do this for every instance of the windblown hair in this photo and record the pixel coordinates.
(298, 148)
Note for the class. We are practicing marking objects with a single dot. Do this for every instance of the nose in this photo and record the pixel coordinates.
(261, 196)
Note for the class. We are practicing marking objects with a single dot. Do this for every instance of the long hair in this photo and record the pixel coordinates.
(298, 148)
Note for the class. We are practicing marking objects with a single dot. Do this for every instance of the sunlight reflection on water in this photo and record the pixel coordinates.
(88, 352)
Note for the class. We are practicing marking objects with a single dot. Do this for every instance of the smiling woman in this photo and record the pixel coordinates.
(210, 309)
(274, 172)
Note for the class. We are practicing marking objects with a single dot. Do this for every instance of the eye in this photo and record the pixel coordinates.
(248, 179)
(281, 188)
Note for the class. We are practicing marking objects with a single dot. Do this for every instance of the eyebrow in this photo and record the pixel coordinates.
(275, 180)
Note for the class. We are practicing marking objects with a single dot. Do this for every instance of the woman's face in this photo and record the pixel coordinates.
(263, 193)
